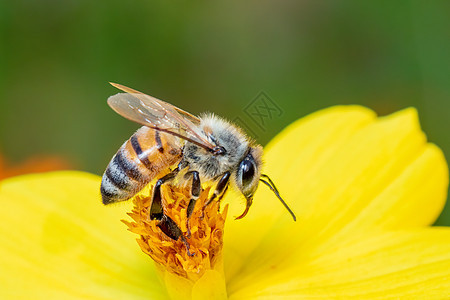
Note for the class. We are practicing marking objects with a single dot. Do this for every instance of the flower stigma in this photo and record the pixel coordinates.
(200, 247)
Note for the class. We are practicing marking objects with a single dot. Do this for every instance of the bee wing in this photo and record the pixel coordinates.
(184, 113)
(159, 115)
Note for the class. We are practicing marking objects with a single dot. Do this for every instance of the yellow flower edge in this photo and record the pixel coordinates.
(59, 242)
(364, 190)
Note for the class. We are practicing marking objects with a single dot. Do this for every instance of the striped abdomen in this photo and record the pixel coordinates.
(140, 159)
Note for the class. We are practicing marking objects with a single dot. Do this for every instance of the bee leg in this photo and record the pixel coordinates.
(195, 193)
(223, 194)
(221, 187)
(171, 229)
(166, 224)
(156, 208)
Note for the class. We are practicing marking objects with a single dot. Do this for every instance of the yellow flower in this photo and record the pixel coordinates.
(364, 190)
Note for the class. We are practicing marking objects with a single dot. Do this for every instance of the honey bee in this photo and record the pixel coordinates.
(207, 148)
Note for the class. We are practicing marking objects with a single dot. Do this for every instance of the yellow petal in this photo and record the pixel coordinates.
(210, 286)
(412, 264)
(294, 149)
(59, 242)
(344, 173)
(177, 287)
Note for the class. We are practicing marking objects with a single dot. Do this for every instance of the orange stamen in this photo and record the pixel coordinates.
(206, 232)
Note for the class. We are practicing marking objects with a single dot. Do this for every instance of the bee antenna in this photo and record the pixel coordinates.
(274, 189)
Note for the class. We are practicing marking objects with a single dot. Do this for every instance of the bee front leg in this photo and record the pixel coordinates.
(221, 187)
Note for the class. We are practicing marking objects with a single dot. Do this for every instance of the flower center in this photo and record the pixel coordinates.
(203, 232)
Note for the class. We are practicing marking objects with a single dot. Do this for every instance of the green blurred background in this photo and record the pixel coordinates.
(56, 58)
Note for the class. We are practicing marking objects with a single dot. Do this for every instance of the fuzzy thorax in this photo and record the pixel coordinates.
(206, 232)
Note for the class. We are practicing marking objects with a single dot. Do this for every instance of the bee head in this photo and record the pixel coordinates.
(248, 174)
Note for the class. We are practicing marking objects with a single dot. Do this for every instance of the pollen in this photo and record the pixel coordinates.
(203, 232)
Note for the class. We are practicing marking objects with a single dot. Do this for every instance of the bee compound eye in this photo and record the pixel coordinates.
(248, 172)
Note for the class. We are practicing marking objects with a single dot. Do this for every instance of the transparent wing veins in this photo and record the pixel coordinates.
(157, 114)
